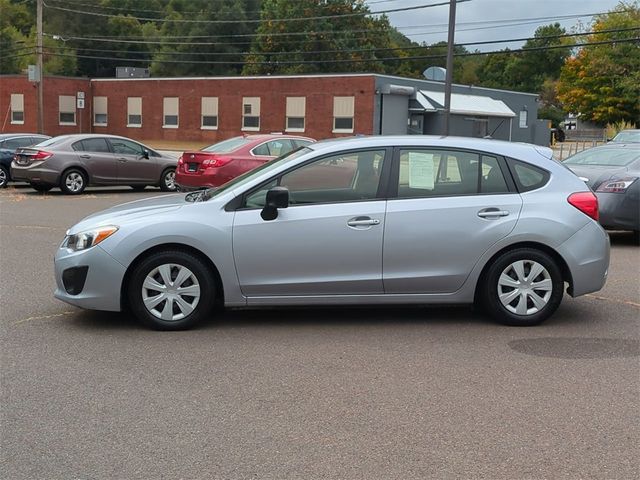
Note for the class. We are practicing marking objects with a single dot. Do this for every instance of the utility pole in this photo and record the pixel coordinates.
(449, 75)
(39, 67)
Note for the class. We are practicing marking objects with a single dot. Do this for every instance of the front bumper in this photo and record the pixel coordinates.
(101, 287)
(39, 174)
(620, 211)
(587, 256)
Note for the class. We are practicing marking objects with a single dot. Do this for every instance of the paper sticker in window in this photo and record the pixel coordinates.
(421, 172)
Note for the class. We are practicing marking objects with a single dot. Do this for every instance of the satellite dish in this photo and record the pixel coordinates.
(435, 73)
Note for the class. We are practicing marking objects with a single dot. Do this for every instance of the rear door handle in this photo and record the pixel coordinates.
(85, 156)
(492, 212)
(363, 222)
(122, 160)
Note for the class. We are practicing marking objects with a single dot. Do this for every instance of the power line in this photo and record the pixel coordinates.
(297, 19)
(385, 59)
(361, 50)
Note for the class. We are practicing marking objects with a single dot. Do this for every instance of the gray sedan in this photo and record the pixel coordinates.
(378, 220)
(72, 162)
(613, 172)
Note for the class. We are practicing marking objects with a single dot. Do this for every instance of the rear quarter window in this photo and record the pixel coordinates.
(528, 177)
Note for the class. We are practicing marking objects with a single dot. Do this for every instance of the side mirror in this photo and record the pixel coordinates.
(145, 154)
(277, 197)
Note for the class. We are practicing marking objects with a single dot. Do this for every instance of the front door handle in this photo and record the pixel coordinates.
(492, 212)
(122, 160)
(363, 222)
(86, 157)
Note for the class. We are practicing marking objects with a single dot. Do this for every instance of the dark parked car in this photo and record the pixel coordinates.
(612, 171)
(218, 163)
(72, 162)
(9, 142)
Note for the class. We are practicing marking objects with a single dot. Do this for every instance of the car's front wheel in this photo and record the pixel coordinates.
(522, 287)
(171, 290)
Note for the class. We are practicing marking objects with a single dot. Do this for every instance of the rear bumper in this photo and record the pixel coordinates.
(587, 256)
(620, 210)
(34, 174)
(211, 177)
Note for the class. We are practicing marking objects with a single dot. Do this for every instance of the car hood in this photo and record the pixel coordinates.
(131, 211)
(594, 175)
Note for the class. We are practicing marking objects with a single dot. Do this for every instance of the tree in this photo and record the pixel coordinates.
(602, 82)
(341, 39)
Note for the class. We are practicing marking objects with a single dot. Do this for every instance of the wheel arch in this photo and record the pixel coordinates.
(564, 268)
(219, 300)
(82, 168)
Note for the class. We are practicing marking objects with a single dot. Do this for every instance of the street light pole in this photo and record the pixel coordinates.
(449, 74)
(39, 66)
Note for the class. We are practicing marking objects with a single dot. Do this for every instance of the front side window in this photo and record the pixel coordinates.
(432, 173)
(126, 147)
(345, 177)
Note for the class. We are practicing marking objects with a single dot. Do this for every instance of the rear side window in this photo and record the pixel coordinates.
(528, 177)
(94, 145)
(18, 142)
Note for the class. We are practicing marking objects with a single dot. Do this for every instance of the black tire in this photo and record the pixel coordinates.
(4, 177)
(489, 291)
(73, 181)
(168, 180)
(138, 188)
(39, 187)
(204, 279)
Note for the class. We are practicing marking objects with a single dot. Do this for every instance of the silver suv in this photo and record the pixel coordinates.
(379, 220)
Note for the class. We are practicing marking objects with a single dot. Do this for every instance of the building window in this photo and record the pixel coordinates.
(523, 118)
(100, 111)
(134, 112)
(17, 108)
(343, 112)
(170, 112)
(209, 110)
(296, 107)
(251, 113)
(67, 109)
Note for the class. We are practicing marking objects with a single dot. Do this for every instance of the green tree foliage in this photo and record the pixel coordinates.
(15, 25)
(602, 82)
(353, 32)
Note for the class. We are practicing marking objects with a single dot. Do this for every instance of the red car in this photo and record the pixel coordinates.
(217, 164)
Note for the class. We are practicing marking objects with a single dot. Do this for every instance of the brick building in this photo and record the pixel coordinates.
(209, 109)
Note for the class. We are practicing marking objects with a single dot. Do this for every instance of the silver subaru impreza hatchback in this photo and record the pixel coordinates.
(369, 220)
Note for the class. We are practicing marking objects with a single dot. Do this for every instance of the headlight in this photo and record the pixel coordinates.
(88, 238)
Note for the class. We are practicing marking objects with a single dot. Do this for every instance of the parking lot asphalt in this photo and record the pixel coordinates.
(357, 393)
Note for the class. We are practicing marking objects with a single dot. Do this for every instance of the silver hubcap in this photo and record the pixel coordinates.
(170, 292)
(3, 177)
(74, 182)
(170, 180)
(524, 287)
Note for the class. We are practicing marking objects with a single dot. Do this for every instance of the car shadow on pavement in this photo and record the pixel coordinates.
(299, 317)
(619, 238)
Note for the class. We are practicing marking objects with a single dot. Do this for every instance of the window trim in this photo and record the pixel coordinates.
(395, 174)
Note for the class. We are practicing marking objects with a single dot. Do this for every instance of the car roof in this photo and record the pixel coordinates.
(4, 136)
(270, 136)
(499, 147)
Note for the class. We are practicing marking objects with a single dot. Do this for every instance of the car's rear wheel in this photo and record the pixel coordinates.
(73, 182)
(39, 187)
(4, 177)
(522, 287)
(171, 290)
(168, 180)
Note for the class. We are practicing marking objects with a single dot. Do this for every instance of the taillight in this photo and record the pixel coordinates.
(586, 202)
(41, 155)
(216, 162)
(181, 160)
(619, 185)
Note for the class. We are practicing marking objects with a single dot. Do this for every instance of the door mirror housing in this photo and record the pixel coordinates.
(277, 197)
(145, 154)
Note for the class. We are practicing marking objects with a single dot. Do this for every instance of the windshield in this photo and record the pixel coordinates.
(227, 146)
(610, 157)
(248, 176)
(627, 136)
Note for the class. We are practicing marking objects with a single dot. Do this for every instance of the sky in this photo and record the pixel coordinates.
(430, 24)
